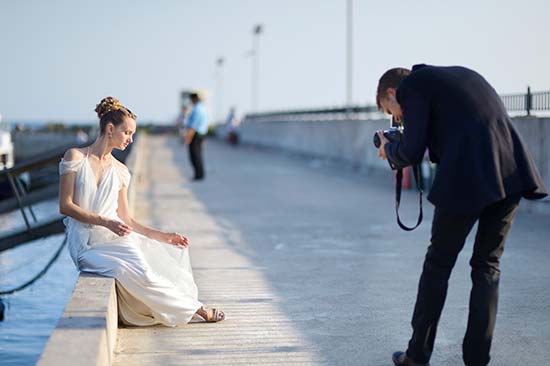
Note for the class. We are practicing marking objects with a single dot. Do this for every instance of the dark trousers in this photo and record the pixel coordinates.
(449, 232)
(195, 155)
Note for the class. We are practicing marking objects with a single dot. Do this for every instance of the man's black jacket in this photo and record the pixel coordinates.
(459, 117)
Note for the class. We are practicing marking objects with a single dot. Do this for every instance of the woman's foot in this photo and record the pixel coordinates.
(211, 315)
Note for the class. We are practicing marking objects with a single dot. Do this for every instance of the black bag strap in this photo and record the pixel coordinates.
(398, 184)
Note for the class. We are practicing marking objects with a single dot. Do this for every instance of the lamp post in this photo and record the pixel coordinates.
(349, 48)
(219, 81)
(256, 31)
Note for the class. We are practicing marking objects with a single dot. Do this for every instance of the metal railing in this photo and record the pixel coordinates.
(334, 113)
(25, 200)
(538, 101)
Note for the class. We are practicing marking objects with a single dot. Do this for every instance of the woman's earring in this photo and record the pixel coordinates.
(110, 135)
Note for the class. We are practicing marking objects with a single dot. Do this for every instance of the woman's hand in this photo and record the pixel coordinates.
(175, 239)
(117, 227)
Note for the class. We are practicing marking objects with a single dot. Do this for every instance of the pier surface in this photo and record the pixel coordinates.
(308, 263)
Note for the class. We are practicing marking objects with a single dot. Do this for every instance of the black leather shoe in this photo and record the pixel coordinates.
(401, 359)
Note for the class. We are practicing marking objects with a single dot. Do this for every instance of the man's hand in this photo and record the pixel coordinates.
(383, 142)
(189, 136)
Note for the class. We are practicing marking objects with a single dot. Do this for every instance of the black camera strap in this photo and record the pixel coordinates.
(398, 183)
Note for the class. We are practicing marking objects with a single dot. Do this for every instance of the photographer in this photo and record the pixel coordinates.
(484, 170)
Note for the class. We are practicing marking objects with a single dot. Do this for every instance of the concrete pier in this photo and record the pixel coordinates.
(307, 261)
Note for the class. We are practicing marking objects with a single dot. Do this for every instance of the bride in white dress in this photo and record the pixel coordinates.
(152, 269)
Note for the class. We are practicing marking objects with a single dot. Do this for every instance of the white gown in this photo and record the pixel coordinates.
(155, 282)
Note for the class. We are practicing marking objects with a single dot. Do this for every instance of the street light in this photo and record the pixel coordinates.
(349, 43)
(219, 81)
(256, 31)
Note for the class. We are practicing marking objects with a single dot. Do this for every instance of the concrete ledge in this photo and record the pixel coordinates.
(86, 333)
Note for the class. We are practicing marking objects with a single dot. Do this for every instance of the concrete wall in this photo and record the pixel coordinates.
(536, 133)
(351, 141)
(86, 333)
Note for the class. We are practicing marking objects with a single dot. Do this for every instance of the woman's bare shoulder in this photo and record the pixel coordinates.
(74, 154)
(120, 165)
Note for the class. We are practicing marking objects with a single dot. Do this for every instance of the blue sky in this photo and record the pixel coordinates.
(59, 58)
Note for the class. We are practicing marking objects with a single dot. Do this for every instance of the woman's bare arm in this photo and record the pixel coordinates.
(123, 212)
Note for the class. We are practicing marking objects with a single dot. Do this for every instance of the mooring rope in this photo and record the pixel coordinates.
(40, 274)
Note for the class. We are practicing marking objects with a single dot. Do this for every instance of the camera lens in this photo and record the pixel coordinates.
(376, 141)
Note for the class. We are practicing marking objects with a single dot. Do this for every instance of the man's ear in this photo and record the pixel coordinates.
(391, 92)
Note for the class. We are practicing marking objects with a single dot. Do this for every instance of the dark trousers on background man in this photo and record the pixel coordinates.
(195, 154)
(449, 232)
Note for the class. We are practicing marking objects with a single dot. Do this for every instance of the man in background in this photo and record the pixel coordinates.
(197, 127)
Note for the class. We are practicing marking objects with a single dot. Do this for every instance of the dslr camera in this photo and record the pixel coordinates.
(393, 134)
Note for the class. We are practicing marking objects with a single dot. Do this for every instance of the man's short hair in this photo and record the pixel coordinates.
(390, 79)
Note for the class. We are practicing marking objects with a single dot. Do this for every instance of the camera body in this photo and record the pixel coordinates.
(393, 134)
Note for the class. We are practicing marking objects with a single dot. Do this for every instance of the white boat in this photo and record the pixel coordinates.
(6, 147)
(7, 161)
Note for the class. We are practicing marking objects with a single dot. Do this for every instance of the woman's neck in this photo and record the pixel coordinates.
(101, 149)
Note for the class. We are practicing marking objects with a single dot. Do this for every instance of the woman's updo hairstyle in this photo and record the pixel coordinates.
(110, 110)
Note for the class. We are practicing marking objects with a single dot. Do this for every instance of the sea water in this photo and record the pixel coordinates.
(32, 313)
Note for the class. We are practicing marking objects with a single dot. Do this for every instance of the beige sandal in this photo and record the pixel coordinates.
(217, 315)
